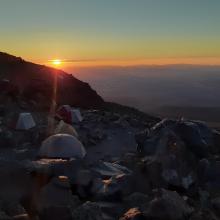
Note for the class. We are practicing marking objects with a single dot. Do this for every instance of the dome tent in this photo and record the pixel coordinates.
(68, 114)
(25, 121)
(64, 128)
(64, 113)
(63, 109)
(62, 146)
(76, 116)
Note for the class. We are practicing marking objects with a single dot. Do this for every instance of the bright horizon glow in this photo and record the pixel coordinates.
(69, 65)
(56, 62)
(125, 32)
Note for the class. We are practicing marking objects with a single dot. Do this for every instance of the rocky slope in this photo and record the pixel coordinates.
(35, 83)
(134, 169)
(137, 167)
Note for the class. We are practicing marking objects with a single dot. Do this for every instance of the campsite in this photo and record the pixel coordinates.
(109, 110)
(106, 164)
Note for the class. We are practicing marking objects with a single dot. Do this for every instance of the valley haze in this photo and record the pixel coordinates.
(182, 90)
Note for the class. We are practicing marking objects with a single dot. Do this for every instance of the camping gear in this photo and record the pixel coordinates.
(64, 113)
(25, 122)
(62, 146)
(76, 116)
(69, 115)
(64, 128)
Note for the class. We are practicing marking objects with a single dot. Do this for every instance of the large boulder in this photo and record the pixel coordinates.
(169, 161)
(15, 179)
(56, 197)
(172, 151)
(196, 135)
(168, 205)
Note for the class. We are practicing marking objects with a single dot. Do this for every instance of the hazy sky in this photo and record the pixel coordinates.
(93, 32)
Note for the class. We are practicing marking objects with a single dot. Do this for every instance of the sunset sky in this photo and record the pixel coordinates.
(112, 32)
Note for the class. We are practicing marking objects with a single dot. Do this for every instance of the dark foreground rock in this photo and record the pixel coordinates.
(133, 169)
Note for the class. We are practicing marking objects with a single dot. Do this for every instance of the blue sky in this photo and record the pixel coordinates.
(110, 29)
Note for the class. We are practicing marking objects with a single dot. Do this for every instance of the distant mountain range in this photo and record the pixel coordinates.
(172, 90)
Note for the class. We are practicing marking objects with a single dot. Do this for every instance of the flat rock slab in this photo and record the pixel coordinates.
(119, 142)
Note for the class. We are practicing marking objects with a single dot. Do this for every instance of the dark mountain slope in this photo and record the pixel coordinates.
(36, 82)
(33, 84)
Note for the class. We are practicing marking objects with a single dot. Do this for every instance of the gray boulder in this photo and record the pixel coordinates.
(195, 134)
(168, 205)
(56, 197)
(168, 161)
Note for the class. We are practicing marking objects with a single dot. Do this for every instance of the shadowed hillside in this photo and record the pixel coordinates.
(35, 82)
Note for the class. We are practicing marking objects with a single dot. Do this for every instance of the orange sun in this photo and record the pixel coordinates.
(56, 62)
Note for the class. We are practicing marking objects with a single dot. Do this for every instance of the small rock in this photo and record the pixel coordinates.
(87, 211)
(133, 214)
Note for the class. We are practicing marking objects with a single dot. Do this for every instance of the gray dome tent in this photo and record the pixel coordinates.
(25, 121)
(62, 146)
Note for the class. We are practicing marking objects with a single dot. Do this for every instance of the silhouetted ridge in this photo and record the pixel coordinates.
(35, 83)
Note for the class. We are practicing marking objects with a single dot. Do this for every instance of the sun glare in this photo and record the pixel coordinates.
(56, 62)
